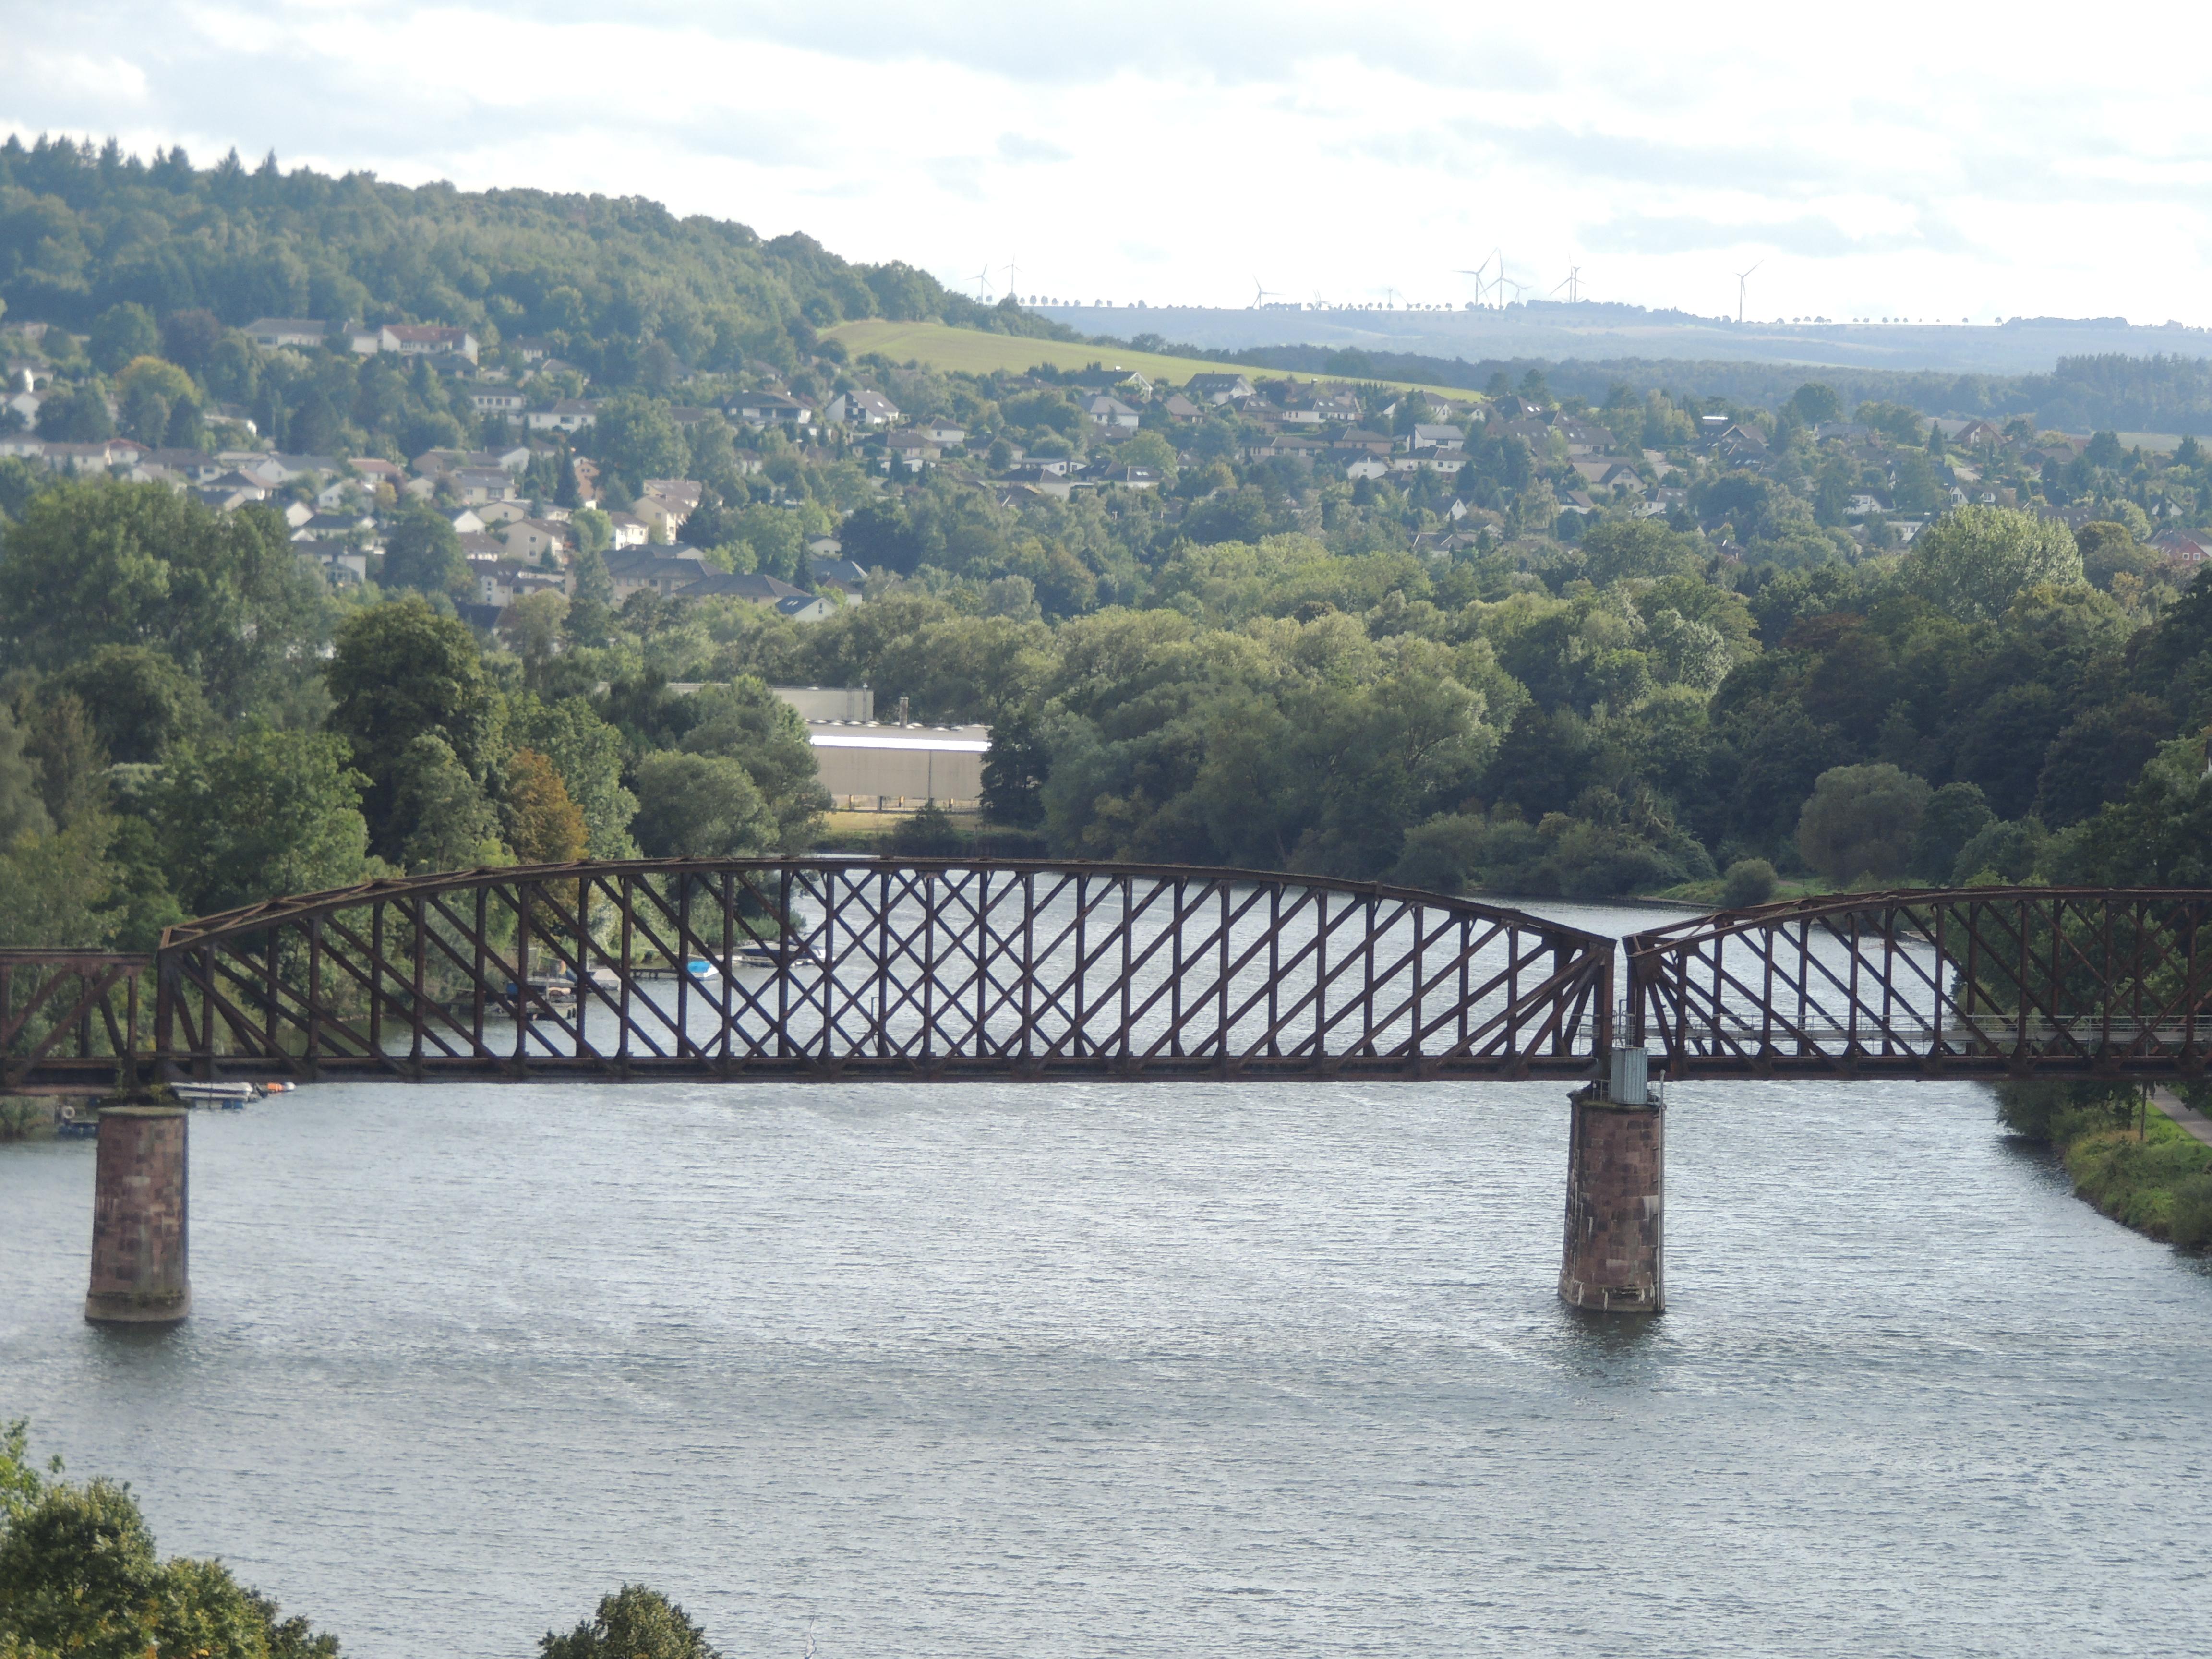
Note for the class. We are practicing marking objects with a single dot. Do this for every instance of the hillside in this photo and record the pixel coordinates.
(598, 277)
(965, 350)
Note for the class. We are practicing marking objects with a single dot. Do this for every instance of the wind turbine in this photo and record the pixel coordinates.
(1505, 282)
(1261, 294)
(1742, 279)
(1012, 287)
(1572, 284)
(1482, 288)
(983, 284)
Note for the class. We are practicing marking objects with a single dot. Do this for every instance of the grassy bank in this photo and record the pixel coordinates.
(971, 351)
(2131, 1161)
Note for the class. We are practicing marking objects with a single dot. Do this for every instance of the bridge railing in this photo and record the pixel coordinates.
(2022, 982)
(72, 1021)
(828, 967)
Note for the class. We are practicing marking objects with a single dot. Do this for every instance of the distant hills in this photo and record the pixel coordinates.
(1555, 331)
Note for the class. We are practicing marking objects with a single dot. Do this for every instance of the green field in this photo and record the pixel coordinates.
(970, 351)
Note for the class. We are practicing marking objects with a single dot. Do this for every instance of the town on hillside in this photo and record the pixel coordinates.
(541, 485)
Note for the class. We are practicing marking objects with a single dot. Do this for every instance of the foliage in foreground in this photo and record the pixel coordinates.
(79, 1575)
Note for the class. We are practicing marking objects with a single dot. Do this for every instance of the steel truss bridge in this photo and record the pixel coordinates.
(828, 968)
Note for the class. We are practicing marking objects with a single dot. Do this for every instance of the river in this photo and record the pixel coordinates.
(1073, 1371)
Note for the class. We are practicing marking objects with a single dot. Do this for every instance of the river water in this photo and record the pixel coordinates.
(1147, 1370)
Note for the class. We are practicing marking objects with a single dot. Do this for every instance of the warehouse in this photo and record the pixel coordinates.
(872, 767)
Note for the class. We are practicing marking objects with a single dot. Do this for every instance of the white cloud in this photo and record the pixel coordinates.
(1887, 159)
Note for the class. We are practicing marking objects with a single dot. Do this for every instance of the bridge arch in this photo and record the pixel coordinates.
(1974, 982)
(828, 967)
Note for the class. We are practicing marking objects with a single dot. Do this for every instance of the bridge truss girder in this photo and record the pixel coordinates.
(2060, 983)
(828, 968)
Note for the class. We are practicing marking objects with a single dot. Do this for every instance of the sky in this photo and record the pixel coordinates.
(1927, 162)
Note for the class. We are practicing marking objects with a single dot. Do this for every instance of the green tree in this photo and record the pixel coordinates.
(440, 812)
(1817, 404)
(79, 1575)
(22, 804)
(2108, 550)
(700, 806)
(274, 812)
(587, 754)
(423, 552)
(633, 1623)
(55, 889)
(221, 595)
(140, 701)
(120, 333)
(1974, 561)
(399, 671)
(1616, 548)
(636, 439)
(1954, 815)
(544, 825)
(77, 414)
(749, 724)
(1860, 821)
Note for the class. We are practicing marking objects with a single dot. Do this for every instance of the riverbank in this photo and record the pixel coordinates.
(2125, 1154)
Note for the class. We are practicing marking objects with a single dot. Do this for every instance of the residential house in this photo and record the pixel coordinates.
(230, 492)
(1365, 465)
(1437, 437)
(908, 449)
(781, 596)
(1134, 477)
(833, 575)
(1582, 438)
(568, 414)
(530, 348)
(1218, 388)
(482, 484)
(630, 530)
(429, 340)
(662, 517)
(495, 514)
(375, 471)
(1112, 413)
(498, 400)
(940, 431)
(760, 409)
(533, 539)
(1180, 408)
(2183, 549)
(662, 570)
(271, 332)
(861, 409)
(680, 492)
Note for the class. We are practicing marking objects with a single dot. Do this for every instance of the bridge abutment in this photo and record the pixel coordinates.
(1614, 1257)
(140, 1219)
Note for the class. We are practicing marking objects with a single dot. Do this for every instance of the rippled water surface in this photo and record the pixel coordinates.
(1148, 1370)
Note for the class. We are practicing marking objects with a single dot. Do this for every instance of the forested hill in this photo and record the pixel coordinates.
(82, 229)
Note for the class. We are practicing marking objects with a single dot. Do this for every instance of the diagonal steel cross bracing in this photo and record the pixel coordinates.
(858, 967)
(836, 967)
(1983, 981)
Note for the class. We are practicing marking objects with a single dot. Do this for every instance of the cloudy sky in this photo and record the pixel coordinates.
(1927, 161)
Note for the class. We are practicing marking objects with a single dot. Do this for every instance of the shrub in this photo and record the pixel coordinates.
(1749, 882)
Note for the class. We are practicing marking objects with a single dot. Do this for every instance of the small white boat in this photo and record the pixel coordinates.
(230, 1095)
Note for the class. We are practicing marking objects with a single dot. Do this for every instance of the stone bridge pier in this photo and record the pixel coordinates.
(1614, 1259)
(140, 1219)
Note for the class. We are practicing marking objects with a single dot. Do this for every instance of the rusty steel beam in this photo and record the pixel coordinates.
(1984, 981)
(828, 968)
